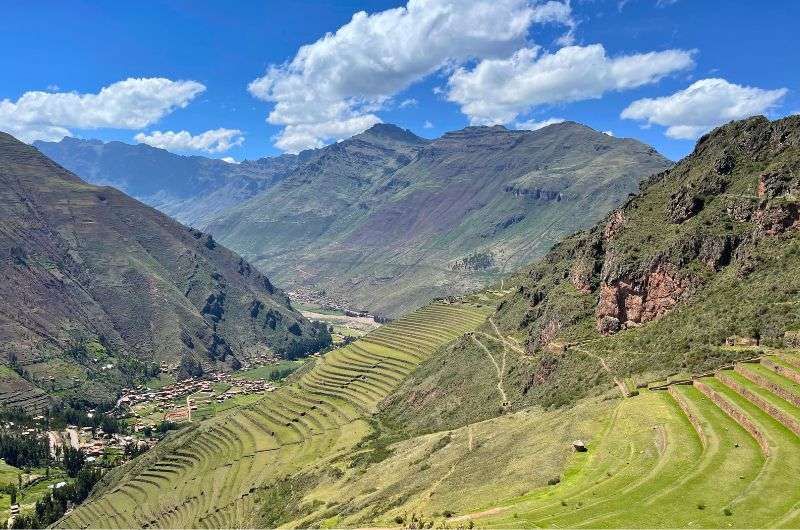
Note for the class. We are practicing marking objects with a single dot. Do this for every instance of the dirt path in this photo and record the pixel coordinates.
(73, 438)
(55, 441)
(605, 366)
(505, 340)
(477, 515)
(496, 366)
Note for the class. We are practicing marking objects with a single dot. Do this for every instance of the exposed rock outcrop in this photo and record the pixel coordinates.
(629, 303)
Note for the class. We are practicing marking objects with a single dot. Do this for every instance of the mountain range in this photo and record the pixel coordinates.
(386, 220)
(99, 290)
(643, 373)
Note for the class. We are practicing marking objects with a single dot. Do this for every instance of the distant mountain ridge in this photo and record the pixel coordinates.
(386, 220)
(188, 188)
(99, 289)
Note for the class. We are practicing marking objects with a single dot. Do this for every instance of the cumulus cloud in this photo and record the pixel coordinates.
(129, 104)
(532, 125)
(230, 160)
(410, 102)
(702, 106)
(212, 141)
(498, 90)
(331, 88)
(427, 125)
(609, 133)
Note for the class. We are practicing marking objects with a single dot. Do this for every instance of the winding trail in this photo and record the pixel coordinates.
(496, 366)
(505, 340)
(605, 366)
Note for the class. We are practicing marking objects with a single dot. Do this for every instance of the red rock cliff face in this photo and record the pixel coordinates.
(625, 304)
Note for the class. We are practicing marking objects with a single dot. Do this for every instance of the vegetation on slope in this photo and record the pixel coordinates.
(191, 189)
(99, 289)
(707, 250)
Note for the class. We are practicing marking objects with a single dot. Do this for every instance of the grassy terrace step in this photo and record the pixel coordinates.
(780, 366)
(780, 409)
(780, 471)
(762, 376)
(206, 479)
(792, 359)
(687, 458)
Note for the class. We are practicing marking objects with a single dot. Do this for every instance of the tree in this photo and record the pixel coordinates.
(74, 460)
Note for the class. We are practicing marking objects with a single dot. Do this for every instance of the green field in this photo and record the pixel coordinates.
(214, 473)
(736, 464)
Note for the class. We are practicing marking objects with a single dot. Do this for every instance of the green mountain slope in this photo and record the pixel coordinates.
(472, 411)
(706, 251)
(191, 189)
(98, 288)
(386, 220)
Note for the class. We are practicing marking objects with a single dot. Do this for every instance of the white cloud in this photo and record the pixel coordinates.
(557, 13)
(230, 160)
(212, 141)
(498, 90)
(532, 125)
(332, 87)
(702, 106)
(295, 138)
(128, 104)
(427, 125)
(410, 102)
(610, 133)
(53, 88)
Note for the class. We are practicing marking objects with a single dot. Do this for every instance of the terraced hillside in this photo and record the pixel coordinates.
(723, 451)
(215, 473)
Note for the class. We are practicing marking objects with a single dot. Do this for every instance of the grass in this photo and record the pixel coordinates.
(647, 465)
(687, 457)
(163, 379)
(8, 474)
(653, 468)
(266, 371)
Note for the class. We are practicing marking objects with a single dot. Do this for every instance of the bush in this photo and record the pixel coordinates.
(448, 514)
(553, 481)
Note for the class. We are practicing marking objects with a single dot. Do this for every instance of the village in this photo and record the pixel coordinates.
(143, 409)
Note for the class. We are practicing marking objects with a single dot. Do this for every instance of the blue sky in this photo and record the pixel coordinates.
(657, 70)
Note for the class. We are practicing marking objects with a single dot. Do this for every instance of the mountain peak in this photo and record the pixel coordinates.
(389, 131)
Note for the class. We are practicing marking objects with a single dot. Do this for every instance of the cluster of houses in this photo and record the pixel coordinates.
(166, 397)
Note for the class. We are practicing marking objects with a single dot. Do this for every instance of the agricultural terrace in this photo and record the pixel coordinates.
(722, 451)
(209, 474)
